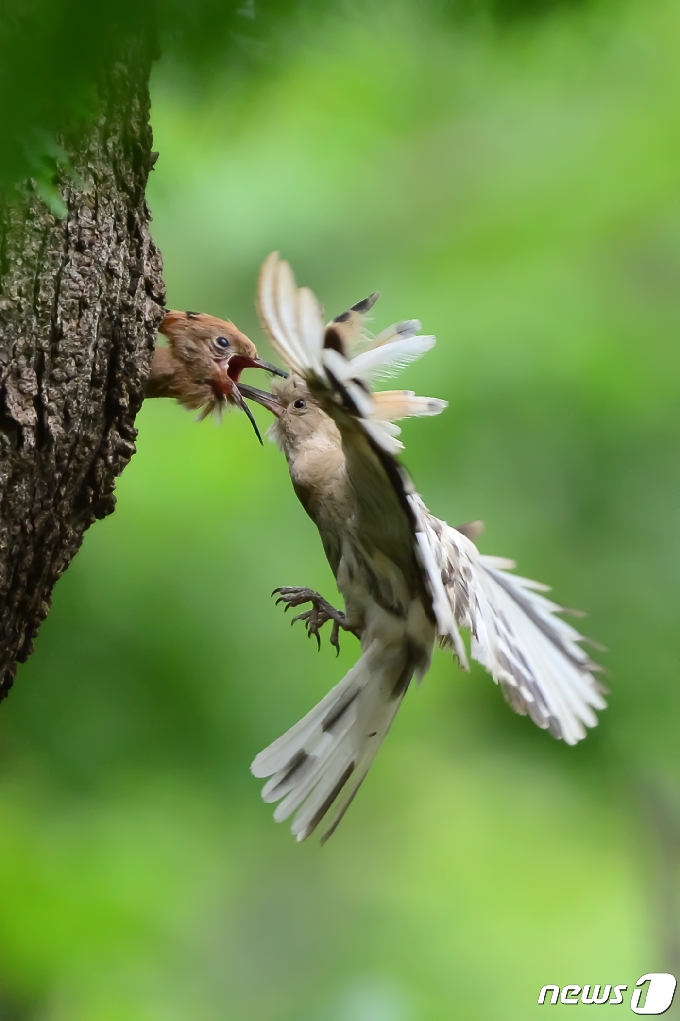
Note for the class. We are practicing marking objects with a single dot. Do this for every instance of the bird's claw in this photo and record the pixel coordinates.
(313, 619)
(335, 637)
(319, 614)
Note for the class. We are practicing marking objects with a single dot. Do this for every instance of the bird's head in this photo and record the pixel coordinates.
(210, 354)
(298, 416)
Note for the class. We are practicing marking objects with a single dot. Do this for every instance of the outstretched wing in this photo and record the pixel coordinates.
(533, 654)
(291, 316)
(388, 358)
(293, 319)
(369, 358)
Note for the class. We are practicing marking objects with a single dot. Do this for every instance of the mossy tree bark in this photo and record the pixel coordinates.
(81, 297)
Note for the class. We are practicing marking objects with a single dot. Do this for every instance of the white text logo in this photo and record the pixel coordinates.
(652, 994)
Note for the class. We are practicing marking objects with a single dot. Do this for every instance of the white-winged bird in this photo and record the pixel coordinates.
(203, 363)
(406, 577)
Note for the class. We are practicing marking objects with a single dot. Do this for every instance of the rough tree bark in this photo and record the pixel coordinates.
(80, 301)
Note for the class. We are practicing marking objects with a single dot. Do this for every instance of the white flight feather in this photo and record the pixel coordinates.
(311, 326)
(396, 331)
(388, 358)
(286, 300)
(293, 318)
(380, 433)
(390, 405)
(533, 654)
(287, 347)
(269, 313)
(443, 609)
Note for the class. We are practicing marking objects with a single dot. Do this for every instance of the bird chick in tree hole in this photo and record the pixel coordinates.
(201, 366)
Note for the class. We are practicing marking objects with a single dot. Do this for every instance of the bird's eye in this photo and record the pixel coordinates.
(300, 403)
(222, 342)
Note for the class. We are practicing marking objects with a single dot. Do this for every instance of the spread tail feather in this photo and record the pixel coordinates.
(320, 763)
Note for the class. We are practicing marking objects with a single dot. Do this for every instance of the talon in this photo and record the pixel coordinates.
(320, 613)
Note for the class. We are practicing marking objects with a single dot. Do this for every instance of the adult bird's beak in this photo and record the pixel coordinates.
(269, 401)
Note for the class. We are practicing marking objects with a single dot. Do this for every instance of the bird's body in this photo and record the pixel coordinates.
(343, 486)
(369, 543)
(318, 472)
(406, 577)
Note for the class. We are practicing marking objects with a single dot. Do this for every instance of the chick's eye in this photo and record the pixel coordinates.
(300, 403)
(222, 342)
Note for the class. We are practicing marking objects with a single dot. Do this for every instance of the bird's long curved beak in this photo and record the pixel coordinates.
(226, 383)
(269, 401)
(237, 363)
(240, 403)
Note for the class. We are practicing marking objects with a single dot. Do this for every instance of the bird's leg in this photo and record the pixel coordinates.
(320, 613)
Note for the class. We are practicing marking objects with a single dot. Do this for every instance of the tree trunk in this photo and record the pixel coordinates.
(81, 298)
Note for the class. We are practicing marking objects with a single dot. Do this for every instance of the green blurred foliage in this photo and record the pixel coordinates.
(53, 54)
(518, 191)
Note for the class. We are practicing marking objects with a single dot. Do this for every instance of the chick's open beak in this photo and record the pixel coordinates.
(269, 401)
(225, 386)
(226, 382)
(237, 363)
